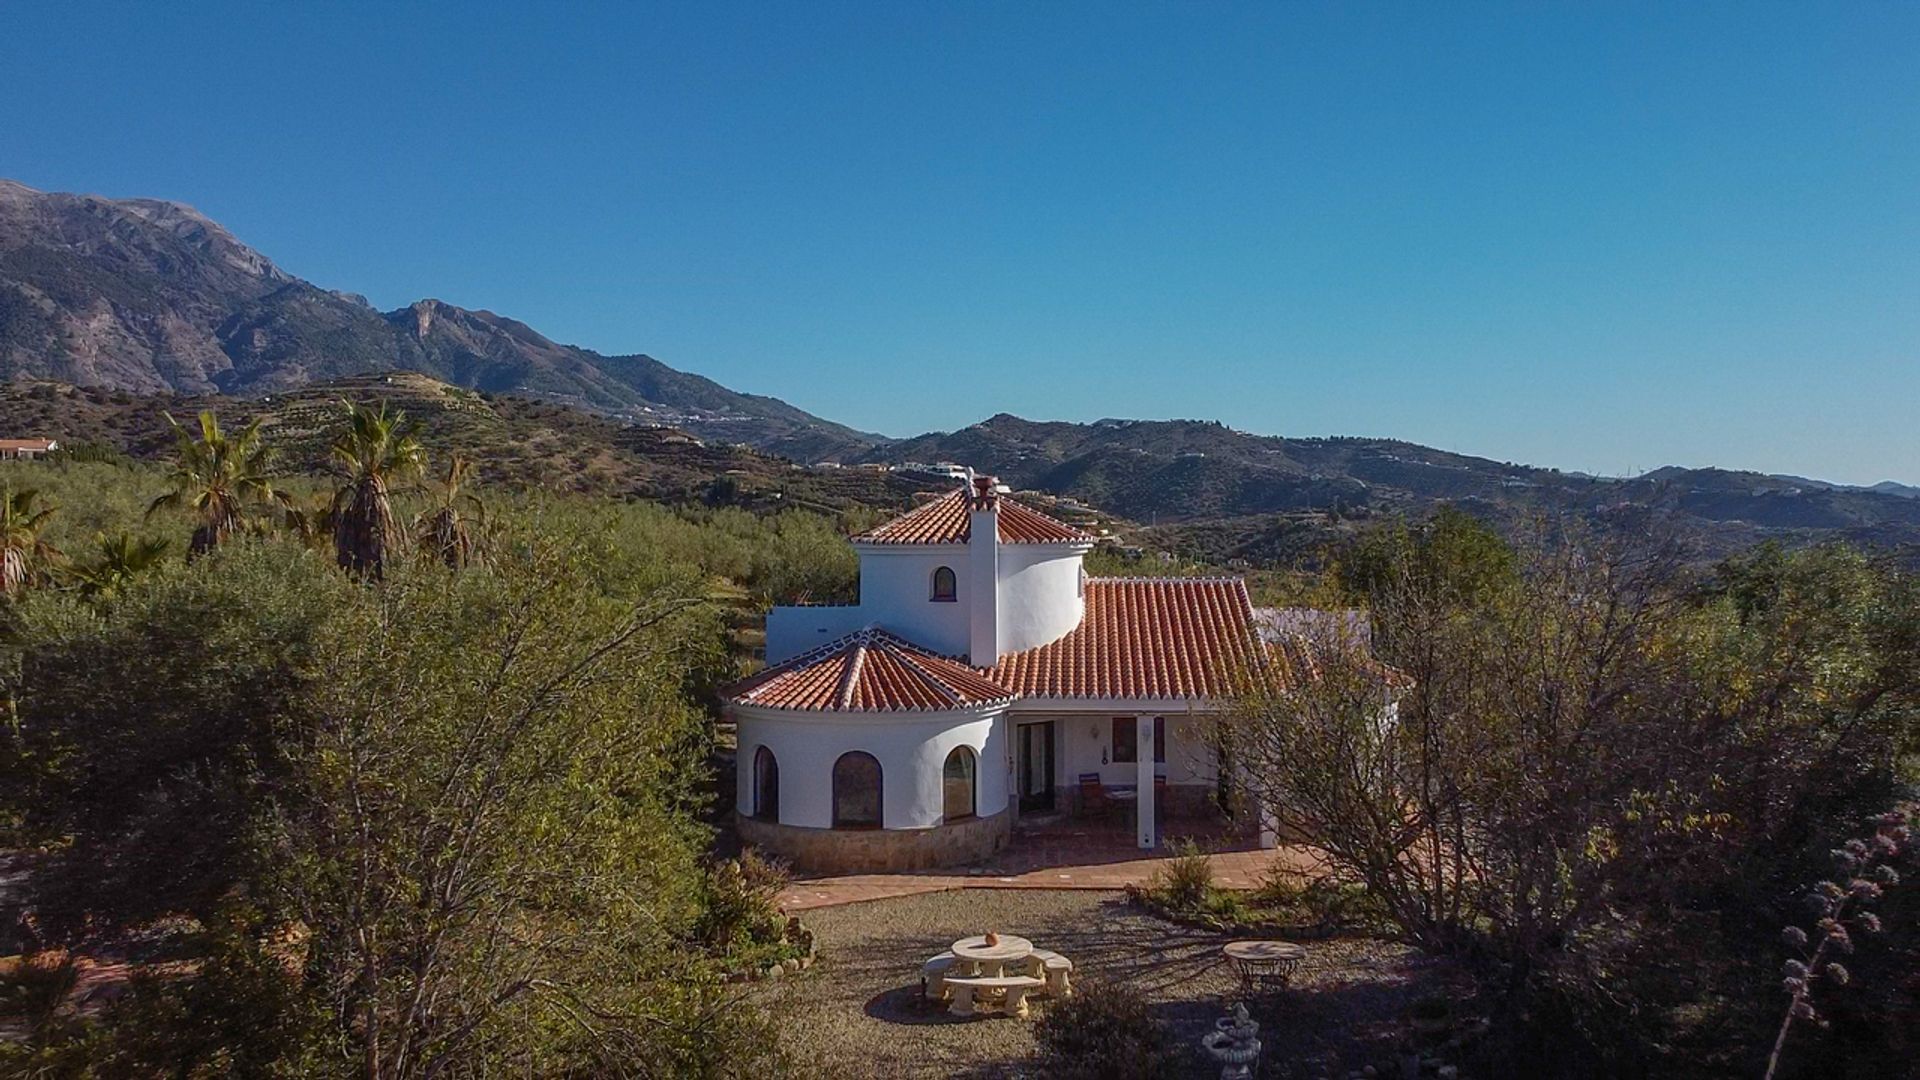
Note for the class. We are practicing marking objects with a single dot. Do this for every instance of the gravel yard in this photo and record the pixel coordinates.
(858, 1012)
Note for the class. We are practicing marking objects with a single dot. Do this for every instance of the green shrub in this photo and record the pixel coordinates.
(470, 798)
(1185, 882)
(741, 909)
(1227, 906)
(1104, 1032)
(1322, 901)
(93, 452)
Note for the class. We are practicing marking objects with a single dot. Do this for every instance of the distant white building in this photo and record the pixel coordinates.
(943, 469)
(26, 449)
(982, 676)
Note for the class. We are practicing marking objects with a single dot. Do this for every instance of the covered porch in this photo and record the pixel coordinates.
(1097, 771)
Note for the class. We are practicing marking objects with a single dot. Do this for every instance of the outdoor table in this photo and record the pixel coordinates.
(1129, 797)
(1264, 962)
(992, 960)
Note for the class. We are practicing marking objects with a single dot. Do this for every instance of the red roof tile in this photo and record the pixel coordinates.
(868, 671)
(1145, 638)
(948, 520)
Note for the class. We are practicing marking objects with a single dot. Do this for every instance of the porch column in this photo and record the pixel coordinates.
(1148, 825)
(1263, 815)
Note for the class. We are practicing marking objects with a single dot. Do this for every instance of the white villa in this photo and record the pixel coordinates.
(982, 676)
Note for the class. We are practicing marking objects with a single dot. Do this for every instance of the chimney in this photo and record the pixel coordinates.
(983, 570)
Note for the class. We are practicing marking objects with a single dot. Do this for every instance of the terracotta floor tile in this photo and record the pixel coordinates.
(1076, 858)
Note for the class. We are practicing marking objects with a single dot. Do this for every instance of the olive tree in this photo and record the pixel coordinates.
(1551, 774)
(442, 824)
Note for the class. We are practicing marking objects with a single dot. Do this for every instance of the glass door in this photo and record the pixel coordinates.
(1036, 767)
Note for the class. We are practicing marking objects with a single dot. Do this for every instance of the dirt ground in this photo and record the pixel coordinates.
(858, 1011)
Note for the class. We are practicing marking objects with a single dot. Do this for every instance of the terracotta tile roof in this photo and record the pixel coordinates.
(1146, 638)
(1298, 660)
(1025, 525)
(947, 520)
(868, 671)
(26, 444)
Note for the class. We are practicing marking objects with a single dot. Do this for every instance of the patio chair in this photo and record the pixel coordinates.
(1093, 797)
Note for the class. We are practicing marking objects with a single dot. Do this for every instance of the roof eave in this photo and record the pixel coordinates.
(791, 712)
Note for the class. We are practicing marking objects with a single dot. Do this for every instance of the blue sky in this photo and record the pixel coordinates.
(1602, 237)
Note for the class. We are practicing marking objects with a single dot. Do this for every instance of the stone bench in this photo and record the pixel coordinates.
(967, 990)
(1054, 968)
(933, 974)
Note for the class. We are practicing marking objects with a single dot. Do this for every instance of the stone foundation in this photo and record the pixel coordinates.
(868, 851)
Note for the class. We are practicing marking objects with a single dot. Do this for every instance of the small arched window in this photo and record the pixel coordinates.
(766, 785)
(957, 784)
(945, 587)
(856, 791)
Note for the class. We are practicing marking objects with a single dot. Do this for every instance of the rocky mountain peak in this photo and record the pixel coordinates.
(151, 295)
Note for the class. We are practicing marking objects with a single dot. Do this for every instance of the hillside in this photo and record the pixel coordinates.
(518, 442)
(151, 296)
(1219, 490)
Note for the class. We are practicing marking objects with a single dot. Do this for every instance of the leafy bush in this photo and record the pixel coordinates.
(1321, 901)
(740, 911)
(89, 451)
(1595, 758)
(1185, 881)
(1106, 1031)
(451, 802)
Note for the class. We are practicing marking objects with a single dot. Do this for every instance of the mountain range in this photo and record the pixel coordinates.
(150, 297)
(1182, 472)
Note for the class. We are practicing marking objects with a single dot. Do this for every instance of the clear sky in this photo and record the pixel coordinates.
(1600, 236)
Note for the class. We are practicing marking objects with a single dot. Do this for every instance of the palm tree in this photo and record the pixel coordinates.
(377, 450)
(218, 476)
(443, 528)
(24, 558)
(117, 561)
(310, 521)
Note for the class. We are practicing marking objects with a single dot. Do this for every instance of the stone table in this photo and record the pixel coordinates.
(992, 960)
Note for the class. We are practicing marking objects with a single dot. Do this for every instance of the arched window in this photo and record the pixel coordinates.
(957, 784)
(766, 785)
(945, 588)
(856, 791)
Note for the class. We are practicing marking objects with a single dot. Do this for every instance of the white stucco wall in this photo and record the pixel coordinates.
(896, 594)
(1085, 736)
(795, 630)
(912, 749)
(1038, 597)
(1041, 598)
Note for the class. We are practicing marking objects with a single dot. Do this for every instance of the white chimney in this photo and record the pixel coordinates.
(983, 570)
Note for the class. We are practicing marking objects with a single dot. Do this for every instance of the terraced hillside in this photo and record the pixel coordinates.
(520, 442)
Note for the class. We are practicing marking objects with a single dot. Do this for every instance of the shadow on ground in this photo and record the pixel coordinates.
(859, 1007)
